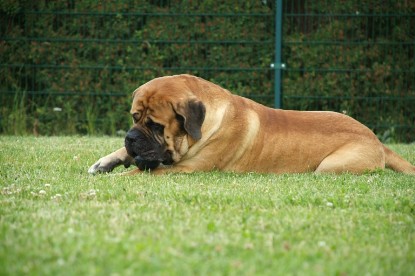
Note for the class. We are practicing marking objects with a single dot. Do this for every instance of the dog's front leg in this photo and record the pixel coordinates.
(112, 160)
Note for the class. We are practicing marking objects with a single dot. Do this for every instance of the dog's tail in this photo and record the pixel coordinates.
(397, 163)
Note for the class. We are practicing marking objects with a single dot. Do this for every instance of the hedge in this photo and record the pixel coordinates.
(69, 67)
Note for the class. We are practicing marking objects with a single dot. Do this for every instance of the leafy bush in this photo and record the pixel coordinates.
(70, 66)
(355, 57)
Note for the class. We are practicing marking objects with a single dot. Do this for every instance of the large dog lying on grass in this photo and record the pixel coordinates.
(185, 124)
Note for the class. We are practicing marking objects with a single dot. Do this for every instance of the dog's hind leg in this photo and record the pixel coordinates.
(353, 158)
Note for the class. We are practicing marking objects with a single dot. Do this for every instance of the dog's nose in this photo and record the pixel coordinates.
(131, 135)
(129, 141)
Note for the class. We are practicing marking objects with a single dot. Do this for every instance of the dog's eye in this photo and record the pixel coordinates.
(158, 127)
(155, 126)
(136, 117)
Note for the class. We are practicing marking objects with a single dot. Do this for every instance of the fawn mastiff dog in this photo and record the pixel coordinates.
(186, 124)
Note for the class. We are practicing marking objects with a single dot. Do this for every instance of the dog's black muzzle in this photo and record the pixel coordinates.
(147, 152)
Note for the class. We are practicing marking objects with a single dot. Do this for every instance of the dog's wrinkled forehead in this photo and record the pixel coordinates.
(160, 94)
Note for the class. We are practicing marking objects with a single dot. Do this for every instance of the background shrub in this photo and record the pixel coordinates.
(69, 67)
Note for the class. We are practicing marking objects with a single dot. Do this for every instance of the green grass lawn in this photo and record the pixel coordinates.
(55, 219)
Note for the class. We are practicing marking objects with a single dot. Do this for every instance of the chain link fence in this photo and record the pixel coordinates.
(69, 66)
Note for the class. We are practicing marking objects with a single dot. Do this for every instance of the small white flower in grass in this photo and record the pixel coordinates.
(329, 204)
(92, 193)
(322, 244)
(47, 185)
(57, 109)
(56, 197)
(42, 192)
(76, 158)
(89, 195)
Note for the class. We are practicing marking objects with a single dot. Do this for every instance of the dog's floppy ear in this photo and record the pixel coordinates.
(193, 113)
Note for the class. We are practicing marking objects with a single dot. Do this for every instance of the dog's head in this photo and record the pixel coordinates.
(167, 119)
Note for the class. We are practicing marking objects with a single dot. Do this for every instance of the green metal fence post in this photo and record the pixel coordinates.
(278, 66)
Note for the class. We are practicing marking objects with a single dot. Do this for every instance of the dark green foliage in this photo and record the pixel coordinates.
(356, 57)
(86, 57)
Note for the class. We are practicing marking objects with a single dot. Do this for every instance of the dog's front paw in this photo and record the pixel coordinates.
(104, 165)
(112, 160)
